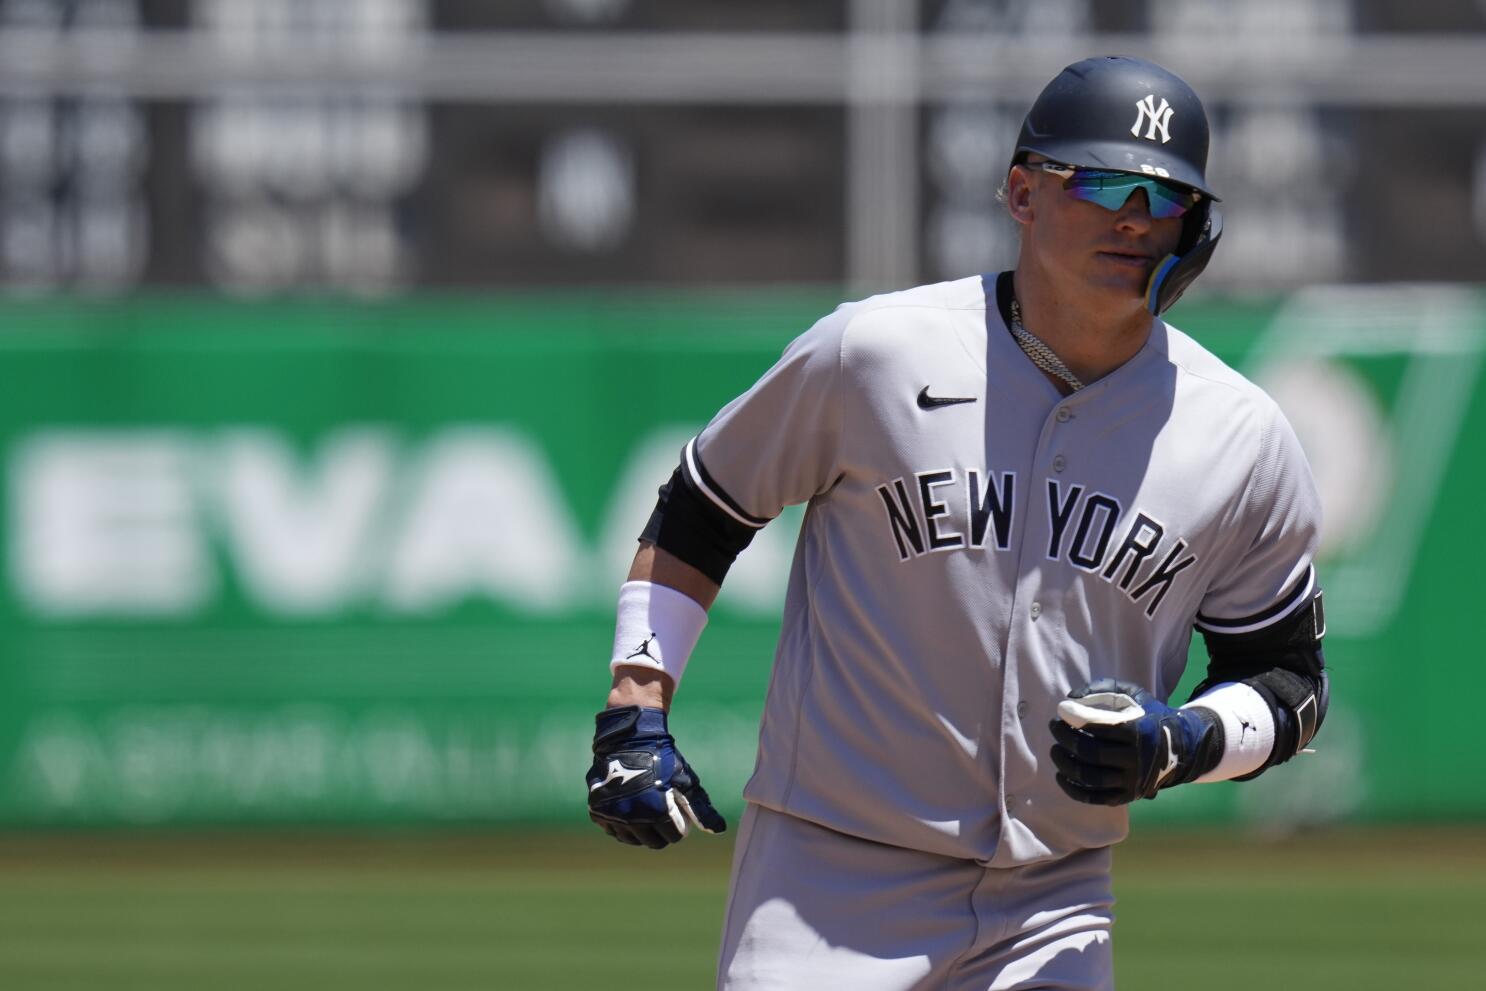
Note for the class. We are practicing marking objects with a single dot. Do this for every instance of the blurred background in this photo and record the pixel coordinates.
(343, 344)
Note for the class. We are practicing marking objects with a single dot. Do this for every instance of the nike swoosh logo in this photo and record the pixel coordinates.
(618, 772)
(926, 401)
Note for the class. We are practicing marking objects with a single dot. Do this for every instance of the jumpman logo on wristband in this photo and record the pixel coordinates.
(644, 649)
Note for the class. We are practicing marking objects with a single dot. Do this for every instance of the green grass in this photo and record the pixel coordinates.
(1352, 910)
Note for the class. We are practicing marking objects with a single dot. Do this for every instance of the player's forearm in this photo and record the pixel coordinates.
(646, 681)
(652, 564)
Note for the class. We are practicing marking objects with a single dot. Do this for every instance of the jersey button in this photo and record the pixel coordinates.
(1021, 709)
(1059, 463)
(1036, 609)
(1064, 414)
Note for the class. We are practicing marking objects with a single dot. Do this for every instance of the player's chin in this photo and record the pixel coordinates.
(1122, 275)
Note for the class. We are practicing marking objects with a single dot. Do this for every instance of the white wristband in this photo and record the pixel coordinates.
(1248, 728)
(657, 628)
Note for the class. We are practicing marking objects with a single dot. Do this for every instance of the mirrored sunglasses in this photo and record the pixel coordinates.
(1111, 189)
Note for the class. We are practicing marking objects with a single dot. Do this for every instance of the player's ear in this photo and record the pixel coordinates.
(1018, 195)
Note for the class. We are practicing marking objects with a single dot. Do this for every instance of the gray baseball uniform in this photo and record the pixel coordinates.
(962, 565)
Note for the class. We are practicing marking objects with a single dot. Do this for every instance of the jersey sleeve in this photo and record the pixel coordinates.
(1271, 574)
(779, 443)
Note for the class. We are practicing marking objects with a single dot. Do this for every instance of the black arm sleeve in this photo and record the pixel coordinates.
(1284, 664)
(691, 527)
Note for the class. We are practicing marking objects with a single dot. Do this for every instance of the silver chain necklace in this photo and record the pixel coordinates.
(1042, 356)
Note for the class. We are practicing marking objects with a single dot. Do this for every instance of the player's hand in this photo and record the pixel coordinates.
(641, 791)
(1116, 743)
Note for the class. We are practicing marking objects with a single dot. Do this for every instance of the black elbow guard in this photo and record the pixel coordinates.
(1299, 706)
(686, 524)
(1285, 665)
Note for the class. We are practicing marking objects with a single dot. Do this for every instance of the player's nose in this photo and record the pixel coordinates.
(1135, 215)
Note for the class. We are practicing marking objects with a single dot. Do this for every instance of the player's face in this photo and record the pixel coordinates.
(1109, 252)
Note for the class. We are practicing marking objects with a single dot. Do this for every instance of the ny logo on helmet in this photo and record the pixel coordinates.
(1159, 117)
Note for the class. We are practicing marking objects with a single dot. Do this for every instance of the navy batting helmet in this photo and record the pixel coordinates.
(1131, 115)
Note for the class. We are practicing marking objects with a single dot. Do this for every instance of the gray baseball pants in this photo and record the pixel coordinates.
(814, 910)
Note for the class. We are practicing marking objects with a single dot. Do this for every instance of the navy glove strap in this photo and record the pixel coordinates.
(629, 723)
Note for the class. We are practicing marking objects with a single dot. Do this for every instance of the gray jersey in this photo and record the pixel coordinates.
(963, 564)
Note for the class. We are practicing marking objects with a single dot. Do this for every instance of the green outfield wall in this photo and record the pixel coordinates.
(320, 561)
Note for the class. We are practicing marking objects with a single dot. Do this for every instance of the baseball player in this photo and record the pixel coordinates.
(1024, 492)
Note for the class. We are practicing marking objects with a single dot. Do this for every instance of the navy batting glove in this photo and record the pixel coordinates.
(641, 791)
(1116, 743)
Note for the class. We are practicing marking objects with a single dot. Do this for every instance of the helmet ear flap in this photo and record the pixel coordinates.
(1195, 225)
(1177, 271)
